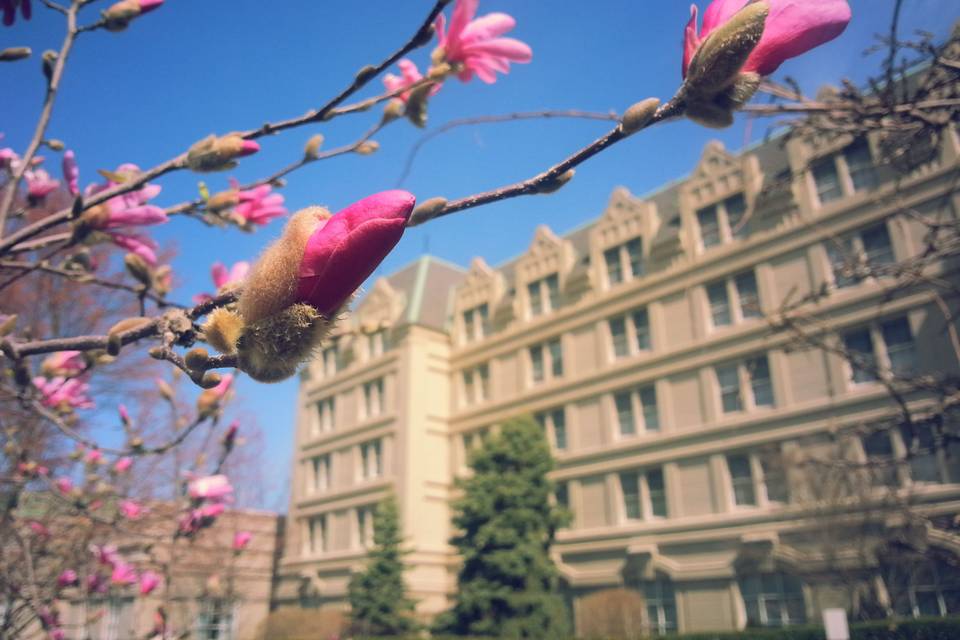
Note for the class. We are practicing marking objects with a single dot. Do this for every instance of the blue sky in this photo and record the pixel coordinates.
(194, 68)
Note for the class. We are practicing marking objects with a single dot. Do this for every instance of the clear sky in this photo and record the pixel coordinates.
(193, 68)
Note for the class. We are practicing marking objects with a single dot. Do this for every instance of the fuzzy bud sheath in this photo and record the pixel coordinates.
(219, 153)
(301, 283)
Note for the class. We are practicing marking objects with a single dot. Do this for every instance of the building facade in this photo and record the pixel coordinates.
(679, 418)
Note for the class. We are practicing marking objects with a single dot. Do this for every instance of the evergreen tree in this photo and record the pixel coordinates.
(378, 600)
(506, 524)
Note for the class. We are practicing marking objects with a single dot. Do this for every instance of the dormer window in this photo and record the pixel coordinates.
(544, 295)
(624, 262)
(376, 343)
(722, 222)
(476, 323)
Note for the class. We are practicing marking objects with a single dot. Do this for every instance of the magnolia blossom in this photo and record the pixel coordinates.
(131, 510)
(241, 539)
(39, 529)
(96, 583)
(347, 247)
(67, 578)
(223, 278)
(148, 582)
(105, 554)
(9, 8)
(792, 28)
(63, 363)
(123, 573)
(473, 46)
(258, 205)
(8, 158)
(409, 75)
(137, 244)
(64, 394)
(71, 172)
(63, 485)
(210, 488)
(122, 465)
(94, 456)
(39, 184)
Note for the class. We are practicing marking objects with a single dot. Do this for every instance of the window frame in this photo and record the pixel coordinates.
(645, 507)
(549, 366)
(726, 232)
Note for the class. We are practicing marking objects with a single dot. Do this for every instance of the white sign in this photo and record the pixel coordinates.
(835, 624)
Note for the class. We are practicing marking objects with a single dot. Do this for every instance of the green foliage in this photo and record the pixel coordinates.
(506, 524)
(378, 601)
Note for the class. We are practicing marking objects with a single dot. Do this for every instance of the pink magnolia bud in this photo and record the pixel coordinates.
(67, 578)
(241, 539)
(148, 582)
(123, 465)
(131, 510)
(64, 485)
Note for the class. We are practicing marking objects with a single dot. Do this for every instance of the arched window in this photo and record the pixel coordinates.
(773, 600)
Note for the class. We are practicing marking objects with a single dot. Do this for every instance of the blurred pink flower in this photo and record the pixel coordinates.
(210, 488)
(94, 456)
(71, 172)
(475, 45)
(9, 8)
(67, 578)
(137, 244)
(131, 510)
(96, 583)
(148, 582)
(129, 209)
(123, 574)
(211, 510)
(123, 464)
(105, 554)
(258, 205)
(63, 363)
(39, 184)
(241, 539)
(8, 157)
(219, 391)
(223, 278)
(409, 75)
(39, 529)
(63, 485)
(345, 250)
(64, 394)
(792, 28)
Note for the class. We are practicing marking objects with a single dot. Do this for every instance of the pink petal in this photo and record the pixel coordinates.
(718, 13)
(463, 13)
(795, 27)
(341, 254)
(219, 274)
(508, 48)
(690, 41)
(489, 26)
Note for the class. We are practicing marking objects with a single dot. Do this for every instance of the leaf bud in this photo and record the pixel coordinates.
(12, 54)
(312, 148)
(638, 116)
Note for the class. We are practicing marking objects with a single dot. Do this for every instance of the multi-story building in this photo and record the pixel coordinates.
(641, 341)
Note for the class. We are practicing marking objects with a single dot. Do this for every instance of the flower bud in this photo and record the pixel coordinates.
(222, 330)
(210, 380)
(13, 54)
(638, 116)
(393, 109)
(219, 153)
(162, 280)
(416, 108)
(118, 16)
(554, 184)
(138, 268)
(196, 358)
(428, 210)
(365, 73)
(271, 350)
(49, 60)
(56, 145)
(166, 391)
(721, 56)
(367, 147)
(312, 149)
(7, 325)
(128, 324)
(223, 200)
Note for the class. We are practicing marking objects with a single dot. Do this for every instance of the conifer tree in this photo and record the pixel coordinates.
(378, 601)
(506, 524)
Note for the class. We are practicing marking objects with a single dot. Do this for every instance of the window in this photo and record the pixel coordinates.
(719, 304)
(723, 222)
(881, 459)
(644, 494)
(630, 404)
(562, 494)
(733, 300)
(365, 527)
(373, 398)
(869, 249)
(554, 425)
(863, 175)
(324, 417)
(921, 445)
(926, 588)
(546, 361)
(827, 180)
(624, 262)
(774, 477)
(476, 385)
(887, 347)
(376, 343)
(544, 295)
(371, 460)
(630, 334)
(476, 323)
(216, 620)
(741, 479)
(751, 375)
(115, 621)
(315, 539)
(320, 474)
(773, 600)
(661, 606)
(330, 357)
